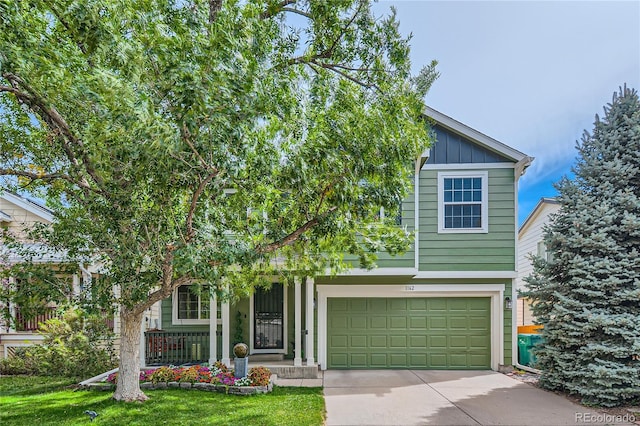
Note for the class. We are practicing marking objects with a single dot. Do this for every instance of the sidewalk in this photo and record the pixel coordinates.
(302, 383)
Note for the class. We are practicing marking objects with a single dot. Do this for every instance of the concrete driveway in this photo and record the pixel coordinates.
(427, 397)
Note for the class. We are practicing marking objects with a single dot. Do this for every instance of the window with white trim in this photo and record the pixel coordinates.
(190, 307)
(463, 202)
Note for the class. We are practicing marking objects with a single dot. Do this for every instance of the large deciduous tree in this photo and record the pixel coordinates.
(587, 294)
(192, 142)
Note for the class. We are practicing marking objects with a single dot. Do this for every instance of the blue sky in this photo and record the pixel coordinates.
(531, 74)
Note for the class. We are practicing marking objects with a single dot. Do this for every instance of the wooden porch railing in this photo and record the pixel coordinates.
(31, 324)
(175, 348)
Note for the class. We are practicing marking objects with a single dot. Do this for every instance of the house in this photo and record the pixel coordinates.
(17, 214)
(531, 242)
(444, 304)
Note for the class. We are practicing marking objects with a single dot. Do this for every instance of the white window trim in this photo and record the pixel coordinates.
(484, 175)
(174, 313)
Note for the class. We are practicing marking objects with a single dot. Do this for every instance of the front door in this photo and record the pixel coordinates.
(268, 314)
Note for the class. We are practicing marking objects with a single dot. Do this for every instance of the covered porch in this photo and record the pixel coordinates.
(180, 345)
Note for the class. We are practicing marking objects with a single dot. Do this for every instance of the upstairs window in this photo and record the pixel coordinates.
(462, 202)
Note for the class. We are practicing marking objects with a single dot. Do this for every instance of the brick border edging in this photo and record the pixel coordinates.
(234, 390)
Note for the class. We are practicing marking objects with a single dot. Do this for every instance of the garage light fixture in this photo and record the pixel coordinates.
(507, 303)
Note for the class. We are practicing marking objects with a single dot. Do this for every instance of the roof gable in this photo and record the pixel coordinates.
(459, 143)
(25, 204)
(452, 148)
(544, 204)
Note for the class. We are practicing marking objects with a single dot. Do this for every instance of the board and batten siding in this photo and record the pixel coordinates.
(491, 251)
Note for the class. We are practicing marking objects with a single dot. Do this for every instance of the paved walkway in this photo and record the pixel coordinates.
(426, 397)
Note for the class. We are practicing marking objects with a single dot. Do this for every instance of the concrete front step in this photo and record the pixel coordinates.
(284, 369)
(297, 372)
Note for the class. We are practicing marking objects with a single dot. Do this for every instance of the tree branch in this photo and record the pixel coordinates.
(344, 74)
(275, 9)
(296, 11)
(41, 176)
(293, 237)
(54, 119)
(194, 202)
(214, 8)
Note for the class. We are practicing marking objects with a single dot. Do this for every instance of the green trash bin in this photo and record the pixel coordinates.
(526, 342)
(535, 340)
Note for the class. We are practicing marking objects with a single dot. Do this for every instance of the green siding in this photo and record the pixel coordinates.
(404, 260)
(438, 333)
(494, 250)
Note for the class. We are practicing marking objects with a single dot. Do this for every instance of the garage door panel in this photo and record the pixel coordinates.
(378, 341)
(358, 305)
(378, 360)
(340, 305)
(418, 360)
(458, 323)
(396, 305)
(377, 305)
(458, 361)
(358, 322)
(398, 360)
(437, 323)
(438, 360)
(359, 341)
(437, 342)
(437, 333)
(418, 342)
(479, 360)
(378, 322)
(437, 304)
(478, 343)
(398, 322)
(338, 322)
(339, 341)
(418, 323)
(458, 342)
(339, 360)
(417, 304)
(398, 342)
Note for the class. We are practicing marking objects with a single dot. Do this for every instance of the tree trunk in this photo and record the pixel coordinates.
(128, 387)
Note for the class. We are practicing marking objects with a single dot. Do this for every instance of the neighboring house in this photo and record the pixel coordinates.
(531, 242)
(445, 304)
(17, 214)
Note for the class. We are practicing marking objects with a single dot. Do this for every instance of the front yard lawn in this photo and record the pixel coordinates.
(48, 401)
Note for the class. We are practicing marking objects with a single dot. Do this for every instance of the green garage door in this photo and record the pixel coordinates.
(438, 333)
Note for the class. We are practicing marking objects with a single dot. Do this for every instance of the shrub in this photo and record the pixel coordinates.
(259, 376)
(77, 345)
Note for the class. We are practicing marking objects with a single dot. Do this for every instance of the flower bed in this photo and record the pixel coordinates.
(217, 378)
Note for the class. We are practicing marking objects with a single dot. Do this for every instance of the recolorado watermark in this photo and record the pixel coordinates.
(605, 418)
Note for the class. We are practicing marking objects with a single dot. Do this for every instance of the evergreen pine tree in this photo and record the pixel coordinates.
(587, 292)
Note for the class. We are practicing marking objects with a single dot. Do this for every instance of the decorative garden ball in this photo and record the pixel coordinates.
(240, 350)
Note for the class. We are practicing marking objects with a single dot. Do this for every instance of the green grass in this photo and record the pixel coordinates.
(49, 401)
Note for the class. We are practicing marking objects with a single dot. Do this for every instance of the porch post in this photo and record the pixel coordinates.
(12, 311)
(76, 284)
(297, 360)
(226, 360)
(309, 321)
(213, 329)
